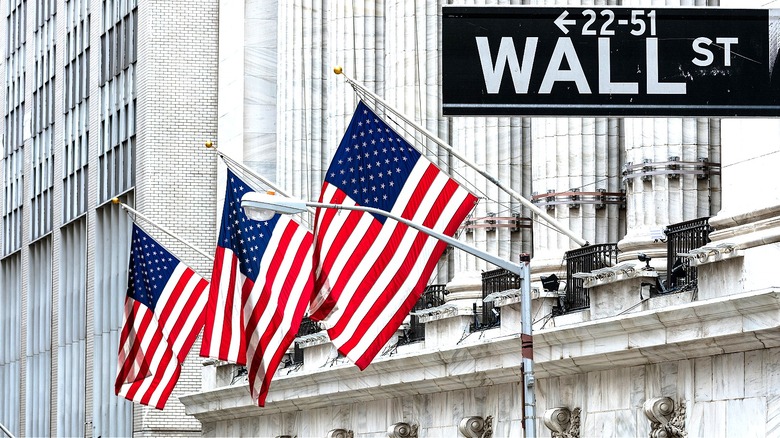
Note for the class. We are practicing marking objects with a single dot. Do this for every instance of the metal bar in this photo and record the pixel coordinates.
(241, 166)
(135, 212)
(526, 338)
(506, 264)
(6, 431)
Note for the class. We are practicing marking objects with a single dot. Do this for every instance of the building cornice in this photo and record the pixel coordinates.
(727, 324)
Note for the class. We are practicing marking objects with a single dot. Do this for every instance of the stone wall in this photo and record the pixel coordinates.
(736, 394)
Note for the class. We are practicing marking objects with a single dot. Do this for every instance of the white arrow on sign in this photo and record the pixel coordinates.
(562, 22)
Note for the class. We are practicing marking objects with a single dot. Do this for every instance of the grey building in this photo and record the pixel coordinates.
(101, 99)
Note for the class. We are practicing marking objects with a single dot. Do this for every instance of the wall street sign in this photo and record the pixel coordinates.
(610, 61)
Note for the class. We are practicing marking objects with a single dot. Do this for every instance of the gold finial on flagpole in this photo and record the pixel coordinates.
(115, 201)
(209, 144)
(337, 69)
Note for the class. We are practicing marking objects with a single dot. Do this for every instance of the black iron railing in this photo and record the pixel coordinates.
(433, 296)
(308, 327)
(497, 280)
(585, 259)
(682, 238)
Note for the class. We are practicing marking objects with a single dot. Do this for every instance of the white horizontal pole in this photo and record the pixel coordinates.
(135, 212)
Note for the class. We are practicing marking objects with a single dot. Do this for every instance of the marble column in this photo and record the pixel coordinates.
(501, 146)
(259, 86)
(314, 104)
(575, 154)
(568, 155)
(655, 201)
(412, 83)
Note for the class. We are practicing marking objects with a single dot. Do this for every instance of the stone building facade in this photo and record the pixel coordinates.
(101, 99)
(116, 98)
(635, 358)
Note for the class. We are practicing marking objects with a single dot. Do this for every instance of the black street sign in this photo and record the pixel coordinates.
(610, 61)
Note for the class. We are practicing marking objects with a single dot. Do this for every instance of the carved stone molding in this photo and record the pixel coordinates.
(476, 427)
(563, 423)
(340, 433)
(437, 313)
(504, 298)
(402, 430)
(746, 230)
(313, 339)
(665, 420)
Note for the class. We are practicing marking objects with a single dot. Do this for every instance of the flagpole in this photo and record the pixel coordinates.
(241, 166)
(135, 212)
(539, 212)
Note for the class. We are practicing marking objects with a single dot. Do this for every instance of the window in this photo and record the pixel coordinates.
(117, 98)
(10, 348)
(76, 108)
(38, 354)
(112, 415)
(72, 333)
(13, 145)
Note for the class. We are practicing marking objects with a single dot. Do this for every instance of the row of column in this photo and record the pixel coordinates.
(392, 47)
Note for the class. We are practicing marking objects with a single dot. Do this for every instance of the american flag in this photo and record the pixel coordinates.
(370, 269)
(163, 316)
(260, 287)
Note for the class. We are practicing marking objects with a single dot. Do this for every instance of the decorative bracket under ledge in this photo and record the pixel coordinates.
(712, 253)
(402, 430)
(612, 274)
(503, 298)
(476, 427)
(437, 313)
(313, 339)
(340, 433)
(563, 423)
(665, 420)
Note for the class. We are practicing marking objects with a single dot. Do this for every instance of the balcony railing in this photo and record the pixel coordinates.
(585, 259)
(308, 327)
(682, 238)
(433, 296)
(497, 280)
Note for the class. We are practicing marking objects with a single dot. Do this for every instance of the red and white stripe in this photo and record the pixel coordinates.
(153, 344)
(276, 304)
(369, 276)
(226, 340)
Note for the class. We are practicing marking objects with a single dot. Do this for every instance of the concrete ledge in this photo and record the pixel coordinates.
(740, 322)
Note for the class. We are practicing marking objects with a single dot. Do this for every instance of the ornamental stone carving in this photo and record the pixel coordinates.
(340, 433)
(402, 430)
(562, 422)
(665, 420)
(476, 427)
(313, 339)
